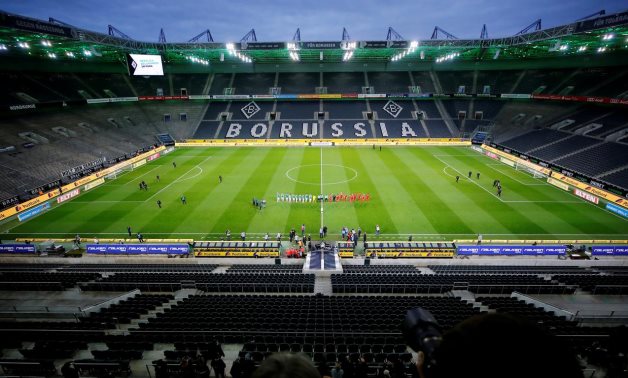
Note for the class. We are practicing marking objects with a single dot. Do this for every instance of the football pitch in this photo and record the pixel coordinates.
(413, 191)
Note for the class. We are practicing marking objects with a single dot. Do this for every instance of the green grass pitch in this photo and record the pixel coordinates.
(413, 191)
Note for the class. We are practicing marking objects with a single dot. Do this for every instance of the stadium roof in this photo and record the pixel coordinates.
(26, 37)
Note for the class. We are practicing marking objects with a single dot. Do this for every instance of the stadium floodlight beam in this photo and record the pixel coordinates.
(3, 47)
(230, 46)
(24, 45)
(46, 43)
(87, 53)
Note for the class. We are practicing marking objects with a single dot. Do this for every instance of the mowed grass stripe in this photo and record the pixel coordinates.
(473, 209)
(242, 212)
(90, 215)
(308, 174)
(514, 190)
(508, 216)
(372, 212)
(397, 195)
(558, 216)
(146, 217)
(336, 178)
(275, 217)
(208, 200)
(420, 177)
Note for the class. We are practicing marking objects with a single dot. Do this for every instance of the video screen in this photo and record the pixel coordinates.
(144, 65)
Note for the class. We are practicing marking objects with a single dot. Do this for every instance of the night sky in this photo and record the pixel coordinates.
(322, 20)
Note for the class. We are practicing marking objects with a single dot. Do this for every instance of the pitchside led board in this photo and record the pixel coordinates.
(144, 65)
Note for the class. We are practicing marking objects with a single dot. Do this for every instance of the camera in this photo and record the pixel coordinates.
(422, 332)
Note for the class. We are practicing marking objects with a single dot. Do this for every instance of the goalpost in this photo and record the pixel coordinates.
(524, 168)
(114, 175)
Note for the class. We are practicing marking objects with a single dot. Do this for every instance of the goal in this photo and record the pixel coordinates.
(526, 169)
(114, 175)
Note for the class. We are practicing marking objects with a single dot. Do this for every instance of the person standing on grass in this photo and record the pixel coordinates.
(158, 178)
(302, 229)
(243, 236)
(377, 230)
(128, 229)
(499, 191)
(470, 173)
(184, 200)
(457, 178)
(220, 179)
(159, 203)
(320, 232)
(266, 237)
(324, 231)
(174, 164)
(228, 234)
(478, 175)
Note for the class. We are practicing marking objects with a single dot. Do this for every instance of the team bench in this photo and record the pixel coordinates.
(237, 249)
(402, 249)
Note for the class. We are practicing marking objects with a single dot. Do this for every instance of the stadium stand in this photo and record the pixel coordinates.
(253, 83)
(389, 82)
(298, 82)
(344, 82)
(219, 82)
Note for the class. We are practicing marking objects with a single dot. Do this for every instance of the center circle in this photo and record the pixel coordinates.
(333, 170)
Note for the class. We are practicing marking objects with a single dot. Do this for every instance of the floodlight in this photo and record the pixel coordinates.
(414, 44)
(230, 46)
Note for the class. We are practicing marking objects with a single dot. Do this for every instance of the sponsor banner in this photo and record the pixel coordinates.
(161, 98)
(36, 26)
(94, 184)
(199, 97)
(286, 96)
(372, 95)
(609, 250)
(263, 45)
(528, 164)
(516, 95)
(138, 249)
(22, 107)
(231, 97)
(34, 211)
(320, 45)
(321, 144)
(512, 250)
(586, 196)
(9, 202)
(17, 248)
(617, 210)
(114, 99)
(349, 95)
(593, 190)
(123, 164)
(139, 163)
(320, 96)
(236, 254)
(602, 22)
(167, 150)
(589, 99)
(44, 188)
(38, 200)
(557, 183)
(347, 254)
(66, 196)
(491, 155)
(263, 96)
(153, 157)
(398, 254)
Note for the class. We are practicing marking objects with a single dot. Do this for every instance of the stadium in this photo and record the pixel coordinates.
(181, 209)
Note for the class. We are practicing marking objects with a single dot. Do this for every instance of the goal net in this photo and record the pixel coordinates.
(532, 172)
(114, 175)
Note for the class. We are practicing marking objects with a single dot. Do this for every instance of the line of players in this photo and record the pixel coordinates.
(340, 197)
(496, 183)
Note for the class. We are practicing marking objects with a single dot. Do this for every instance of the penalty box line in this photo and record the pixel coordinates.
(178, 179)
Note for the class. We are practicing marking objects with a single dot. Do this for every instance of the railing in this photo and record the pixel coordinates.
(108, 302)
(442, 288)
(223, 287)
(543, 305)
